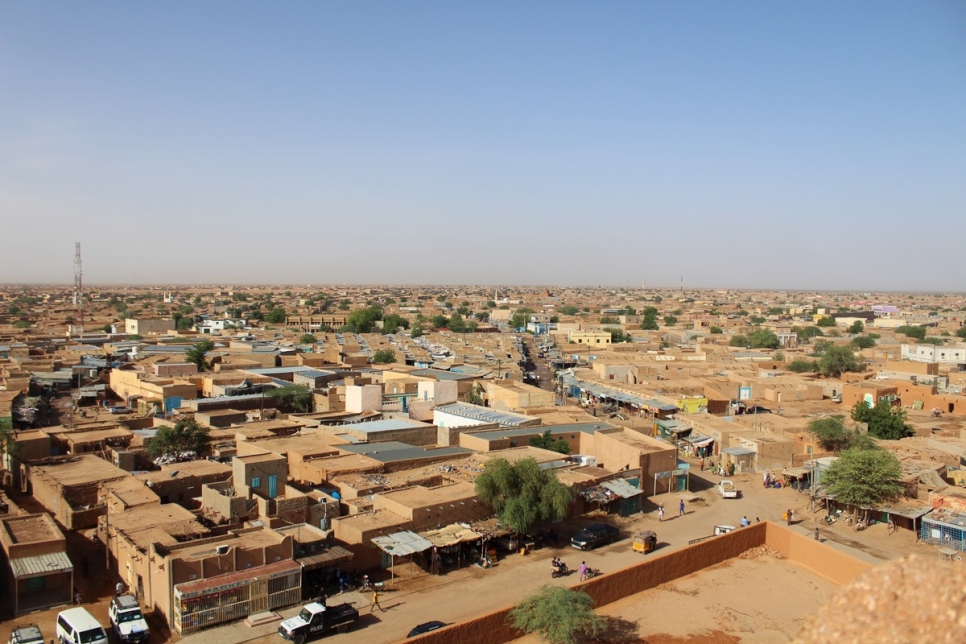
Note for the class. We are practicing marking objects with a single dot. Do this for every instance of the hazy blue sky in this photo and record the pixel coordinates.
(768, 144)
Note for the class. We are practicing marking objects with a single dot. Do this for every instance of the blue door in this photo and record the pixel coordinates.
(272, 486)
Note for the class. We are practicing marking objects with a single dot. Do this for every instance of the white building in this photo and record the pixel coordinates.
(943, 354)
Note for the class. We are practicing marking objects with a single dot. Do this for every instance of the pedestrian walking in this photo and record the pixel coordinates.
(660, 512)
(788, 517)
(375, 602)
(681, 508)
(702, 463)
(583, 570)
(816, 535)
(764, 480)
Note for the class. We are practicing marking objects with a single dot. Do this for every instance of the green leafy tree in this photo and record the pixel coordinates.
(563, 310)
(857, 327)
(832, 434)
(557, 614)
(457, 324)
(384, 356)
(185, 436)
(826, 322)
(803, 366)
(363, 320)
(523, 495)
(649, 321)
(547, 441)
(738, 341)
(617, 335)
(417, 331)
(716, 330)
(805, 334)
(21, 324)
(106, 328)
(296, 397)
(276, 316)
(763, 339)
(863, 342)
(197, 354)
(670, 320)
(864, 477)
(307, 338)
(884, 420)
(918, 332)
(392, 323)
(961, 333)
(838, 360)
(474, 395)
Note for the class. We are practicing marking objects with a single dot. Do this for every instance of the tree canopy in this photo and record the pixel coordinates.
(826, 322)
(296, 397)
(649, 323)
(918, 332)
(363, 320)
(197, 354)
(884, 421)
(802, 366)
(863, 342)
(276, 316)
(558, 614)
(834, 436)
(864, 477)
(307, 338)
(837, 360)
(185, 436)
(763, 339)
(384, 356)
(547, 441)
(857, 327)
(522, 494)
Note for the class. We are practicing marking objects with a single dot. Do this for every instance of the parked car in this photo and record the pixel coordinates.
(127, 619)
(595, 535)
(315, 619)
(727, 490)
(27, 634)
(426, 628)
(77, 626)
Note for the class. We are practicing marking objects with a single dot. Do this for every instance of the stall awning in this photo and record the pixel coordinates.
(400, 544)
(698, 440)
(796, 472)
(331, 557)
(40, 565)
(621, 488)
(450, 535)
(909, 512)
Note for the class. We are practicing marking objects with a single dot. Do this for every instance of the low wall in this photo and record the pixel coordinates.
(835, 565)
(828, 562)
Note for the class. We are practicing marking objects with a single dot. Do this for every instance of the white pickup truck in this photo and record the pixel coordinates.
(727, 490)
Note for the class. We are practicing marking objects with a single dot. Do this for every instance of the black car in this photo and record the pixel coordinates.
(595, 535)
(425, 628)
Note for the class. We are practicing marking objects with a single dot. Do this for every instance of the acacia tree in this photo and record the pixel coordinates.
(864, 477)
(197, 354)
(557, 614)
(185, 436)
(384, 356)
(522, 494)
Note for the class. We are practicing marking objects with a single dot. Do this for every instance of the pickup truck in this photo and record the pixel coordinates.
(727, 490)
(316, 619)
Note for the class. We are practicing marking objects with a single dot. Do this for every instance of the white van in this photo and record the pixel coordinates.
(77, 626)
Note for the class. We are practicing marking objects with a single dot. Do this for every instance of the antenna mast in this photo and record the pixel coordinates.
(78, 291)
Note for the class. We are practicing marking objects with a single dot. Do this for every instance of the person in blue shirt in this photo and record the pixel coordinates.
(745, 522)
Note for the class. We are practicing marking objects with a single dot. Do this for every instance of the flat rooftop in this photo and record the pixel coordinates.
(80, 470)
(385, 425)
(31, 528)
(394, 451)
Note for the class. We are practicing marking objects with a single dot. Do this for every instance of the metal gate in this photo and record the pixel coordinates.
(258, 596)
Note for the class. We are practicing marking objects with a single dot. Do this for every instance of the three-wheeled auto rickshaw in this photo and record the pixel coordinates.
(645, 541)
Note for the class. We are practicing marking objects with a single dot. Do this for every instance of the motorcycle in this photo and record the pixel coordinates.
(829, 519)
(558, 569)
(593, 572)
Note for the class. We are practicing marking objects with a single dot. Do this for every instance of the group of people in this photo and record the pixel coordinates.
(767, 480)
(660, 510)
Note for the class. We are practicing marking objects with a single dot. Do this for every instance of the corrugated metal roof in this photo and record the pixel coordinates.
(40, 565)
(621, 488)
(400, 544)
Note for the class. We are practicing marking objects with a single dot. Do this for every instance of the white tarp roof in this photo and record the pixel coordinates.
(621, 488)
